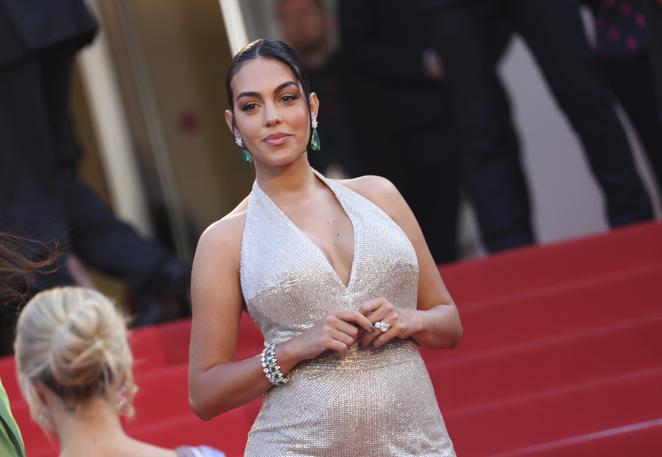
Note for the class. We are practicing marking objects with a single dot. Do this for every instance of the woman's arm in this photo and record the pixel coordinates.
(216, 382)
(435, 324)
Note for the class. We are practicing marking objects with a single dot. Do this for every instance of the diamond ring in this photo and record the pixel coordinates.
(382, 326)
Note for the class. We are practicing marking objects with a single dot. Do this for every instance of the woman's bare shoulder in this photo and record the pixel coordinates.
(227, 231)
(378, 190)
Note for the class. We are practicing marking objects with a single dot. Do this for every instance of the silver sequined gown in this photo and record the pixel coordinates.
(368, 402)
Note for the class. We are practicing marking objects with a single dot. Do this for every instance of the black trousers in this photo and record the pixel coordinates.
(632, 81)
(407, 137)
(490, 166)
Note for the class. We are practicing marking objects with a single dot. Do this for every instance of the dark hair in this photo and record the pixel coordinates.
(17, 271)
(271, 49)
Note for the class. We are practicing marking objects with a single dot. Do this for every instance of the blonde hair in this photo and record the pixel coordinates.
(74, 341)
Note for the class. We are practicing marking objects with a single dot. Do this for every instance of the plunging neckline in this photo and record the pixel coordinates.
(325, 259)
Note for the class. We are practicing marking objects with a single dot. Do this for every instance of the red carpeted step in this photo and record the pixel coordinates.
(588, 306)
(556, 414)
(638, 439)
(545, 364)
(534, 268)
(147, 348)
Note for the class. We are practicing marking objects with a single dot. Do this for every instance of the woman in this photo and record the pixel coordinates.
(339, 279)
(74, 369)
(625, 47)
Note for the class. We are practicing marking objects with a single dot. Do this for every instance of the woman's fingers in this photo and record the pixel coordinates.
(371, 305)
(344, 325)
(356, 318)
(342, 337)
(337, 346)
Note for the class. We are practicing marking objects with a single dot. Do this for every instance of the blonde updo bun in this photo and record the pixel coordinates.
(74, 341)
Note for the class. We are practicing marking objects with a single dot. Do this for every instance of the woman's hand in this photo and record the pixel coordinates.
(337, 332)
(403, 323)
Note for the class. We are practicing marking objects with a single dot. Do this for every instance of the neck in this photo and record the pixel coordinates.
(289, 182)
(88, 429)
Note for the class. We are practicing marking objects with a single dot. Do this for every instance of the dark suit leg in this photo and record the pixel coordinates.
(631, 80)
(490, 168)
(554, 33)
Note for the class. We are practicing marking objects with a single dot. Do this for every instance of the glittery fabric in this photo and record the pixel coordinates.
(369, 402)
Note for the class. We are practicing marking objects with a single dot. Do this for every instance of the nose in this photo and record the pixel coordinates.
(271, 115)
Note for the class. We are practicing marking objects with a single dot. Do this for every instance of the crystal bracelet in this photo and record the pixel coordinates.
(270, 366)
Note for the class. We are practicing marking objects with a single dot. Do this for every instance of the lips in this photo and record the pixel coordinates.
(276, 139)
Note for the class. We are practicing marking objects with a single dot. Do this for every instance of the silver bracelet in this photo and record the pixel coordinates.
(270, 366)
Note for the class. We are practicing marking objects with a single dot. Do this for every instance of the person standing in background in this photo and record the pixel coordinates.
(43, 198)
(653, 14)
(407, 134)
(490, 164)
(622, 45)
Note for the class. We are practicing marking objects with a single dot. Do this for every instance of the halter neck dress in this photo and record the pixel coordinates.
(369, 402)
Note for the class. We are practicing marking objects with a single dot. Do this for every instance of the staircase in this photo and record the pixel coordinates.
(561, 356)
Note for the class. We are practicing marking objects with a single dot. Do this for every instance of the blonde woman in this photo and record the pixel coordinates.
(75, 370)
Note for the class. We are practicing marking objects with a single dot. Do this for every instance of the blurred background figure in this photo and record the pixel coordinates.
(75, 370)
(623, 45)
(306, 26)
(491, 170)
(398, 112)
(653, 14)
(43, 198)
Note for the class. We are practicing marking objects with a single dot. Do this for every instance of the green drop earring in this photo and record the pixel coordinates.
(246, 156)
(315, 144)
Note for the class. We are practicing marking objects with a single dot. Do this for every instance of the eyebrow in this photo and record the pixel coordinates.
(276, 90)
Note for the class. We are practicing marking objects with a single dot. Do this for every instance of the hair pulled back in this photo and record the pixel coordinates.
(73, 341)
(271, 49)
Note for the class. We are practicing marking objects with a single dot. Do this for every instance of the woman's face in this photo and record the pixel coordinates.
(270, 112)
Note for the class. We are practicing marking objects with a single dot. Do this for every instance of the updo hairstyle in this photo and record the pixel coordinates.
(74, 341)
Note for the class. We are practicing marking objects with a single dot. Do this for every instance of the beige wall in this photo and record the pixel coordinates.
(185, 51)
(183, 54)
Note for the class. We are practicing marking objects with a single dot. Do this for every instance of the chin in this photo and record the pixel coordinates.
(281, 158)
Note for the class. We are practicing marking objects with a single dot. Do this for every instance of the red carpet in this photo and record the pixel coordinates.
(562, 356)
